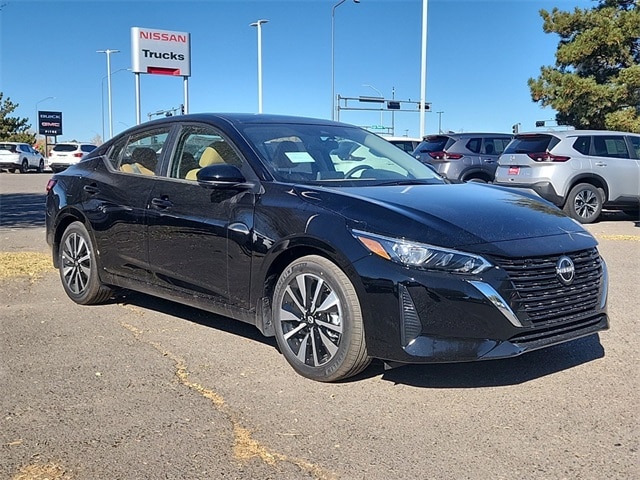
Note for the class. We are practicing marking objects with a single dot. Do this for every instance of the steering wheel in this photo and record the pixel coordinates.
(356, 169)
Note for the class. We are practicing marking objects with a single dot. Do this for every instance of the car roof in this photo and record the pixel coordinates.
(574, 133)
(245, 118)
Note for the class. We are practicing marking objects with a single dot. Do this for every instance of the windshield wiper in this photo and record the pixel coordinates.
(414, 181)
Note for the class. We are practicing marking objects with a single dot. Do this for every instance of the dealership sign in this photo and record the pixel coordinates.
(160, 52)
(50, 123)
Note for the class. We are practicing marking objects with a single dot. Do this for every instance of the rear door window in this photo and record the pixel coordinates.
(610, 146)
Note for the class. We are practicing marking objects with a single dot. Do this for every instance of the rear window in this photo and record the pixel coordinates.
(65, 147)
(531, 144)
(435, 143)
(8, 146)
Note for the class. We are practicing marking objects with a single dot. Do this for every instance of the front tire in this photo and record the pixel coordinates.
(584, 203)
(318, 321)
(78, 269)
(41, 166)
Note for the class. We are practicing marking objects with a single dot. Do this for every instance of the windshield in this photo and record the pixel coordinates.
(339, 155)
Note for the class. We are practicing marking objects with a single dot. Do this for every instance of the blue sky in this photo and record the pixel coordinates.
(480, 54)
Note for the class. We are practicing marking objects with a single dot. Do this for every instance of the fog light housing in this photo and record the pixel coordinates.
(410, 326)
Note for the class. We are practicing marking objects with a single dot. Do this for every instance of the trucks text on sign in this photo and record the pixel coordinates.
(160, 52)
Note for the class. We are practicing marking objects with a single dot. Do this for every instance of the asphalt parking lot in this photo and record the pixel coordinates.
(143, 389)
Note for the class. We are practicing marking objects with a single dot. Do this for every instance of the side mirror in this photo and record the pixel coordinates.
(222, 176)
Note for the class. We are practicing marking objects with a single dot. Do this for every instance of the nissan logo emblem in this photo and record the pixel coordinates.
(565, 270)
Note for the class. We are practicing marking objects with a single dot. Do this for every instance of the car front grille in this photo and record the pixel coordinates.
(543, 299)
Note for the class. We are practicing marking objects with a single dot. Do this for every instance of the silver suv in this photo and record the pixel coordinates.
(582, 171)
(463, 156)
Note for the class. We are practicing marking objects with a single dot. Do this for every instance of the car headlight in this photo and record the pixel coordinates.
(421, 255)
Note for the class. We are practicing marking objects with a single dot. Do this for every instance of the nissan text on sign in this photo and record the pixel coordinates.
(160, 52)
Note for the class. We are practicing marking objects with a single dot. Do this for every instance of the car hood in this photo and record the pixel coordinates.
(476, 217)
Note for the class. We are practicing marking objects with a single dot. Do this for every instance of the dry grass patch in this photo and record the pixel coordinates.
(24, 264)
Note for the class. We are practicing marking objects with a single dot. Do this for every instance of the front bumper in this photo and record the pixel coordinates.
(447, 318)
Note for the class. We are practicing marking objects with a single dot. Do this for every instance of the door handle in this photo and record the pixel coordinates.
(91, 189)
(161, 203)
(600, 164)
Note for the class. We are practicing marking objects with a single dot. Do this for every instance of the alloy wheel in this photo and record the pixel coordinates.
(76, 263)
(312, 319)
(586, 203)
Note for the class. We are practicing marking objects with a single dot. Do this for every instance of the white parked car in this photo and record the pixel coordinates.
(63, 155)
(20, 156)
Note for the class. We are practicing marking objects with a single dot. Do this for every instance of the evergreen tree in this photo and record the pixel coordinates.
(595, 82)
(13, 129)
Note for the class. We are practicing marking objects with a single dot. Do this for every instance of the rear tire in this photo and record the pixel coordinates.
(78, 268)
(24, 167)
(318, 321)
(584, 203)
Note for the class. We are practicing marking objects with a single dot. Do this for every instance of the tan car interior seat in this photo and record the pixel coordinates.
(210, 156)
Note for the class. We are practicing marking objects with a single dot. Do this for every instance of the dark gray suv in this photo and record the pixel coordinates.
(463, 156)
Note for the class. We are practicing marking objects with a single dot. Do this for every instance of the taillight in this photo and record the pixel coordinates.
(50, 184)
(78, 154)
(445, 155)
(547, 157)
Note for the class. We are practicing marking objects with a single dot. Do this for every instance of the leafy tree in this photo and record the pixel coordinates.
(595, 82)
(13, 129)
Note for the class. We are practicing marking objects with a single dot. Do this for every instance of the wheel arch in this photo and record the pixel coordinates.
(296, 248)
(595, 180)
(64, 220)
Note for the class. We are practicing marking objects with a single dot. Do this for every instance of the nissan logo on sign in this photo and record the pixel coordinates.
(50, 123)
(160, 52)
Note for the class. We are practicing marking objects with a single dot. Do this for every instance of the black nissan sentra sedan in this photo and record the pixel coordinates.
(327, 236)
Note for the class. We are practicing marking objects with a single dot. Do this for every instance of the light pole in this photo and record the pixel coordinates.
(259, 24)
(439, 121)
(108, 53)
(381, 105)
(102, 95)
(333, 77)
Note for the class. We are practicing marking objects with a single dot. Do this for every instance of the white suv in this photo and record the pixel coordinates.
(582, 171)
(20, 156)
(63, 155)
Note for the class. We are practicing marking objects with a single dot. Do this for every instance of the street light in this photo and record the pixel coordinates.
(108, 53)
(102, 95)
(333, 78)
(439, 121)
(381, 96)
(38, 103)
(259, 24)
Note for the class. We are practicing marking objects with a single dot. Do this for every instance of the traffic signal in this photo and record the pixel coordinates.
(514, 127)
(540, 123)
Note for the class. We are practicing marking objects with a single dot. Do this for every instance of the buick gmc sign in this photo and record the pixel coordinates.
(160, 52)
(50, 123)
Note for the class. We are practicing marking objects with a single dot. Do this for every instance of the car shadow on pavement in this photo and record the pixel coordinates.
(497, 373)
(195, 315)
(489, 373)
(22, 210)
